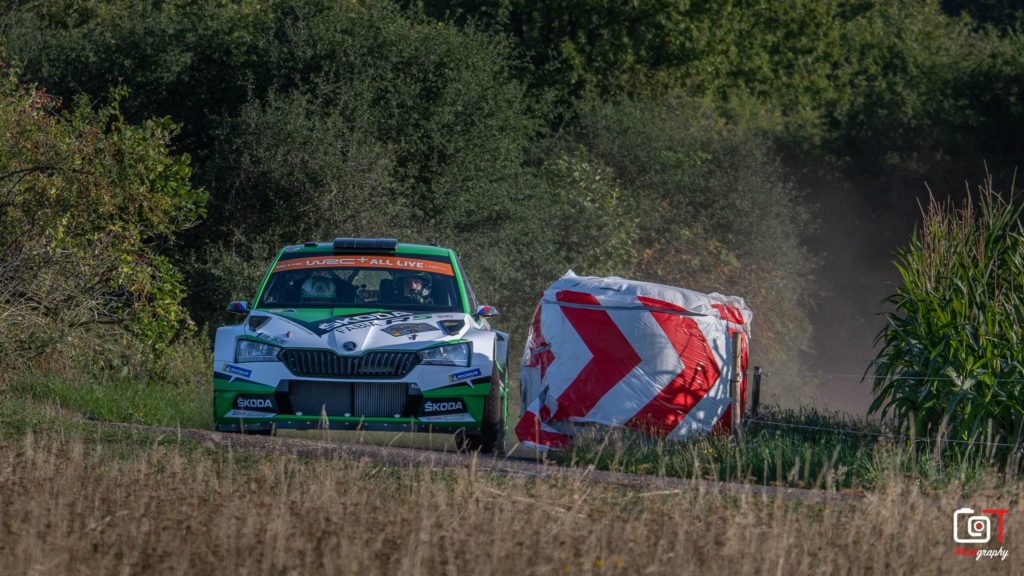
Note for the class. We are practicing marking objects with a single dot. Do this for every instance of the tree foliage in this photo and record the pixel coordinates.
(712, 207)
(91, 205)
(885, 87)
(638, 138)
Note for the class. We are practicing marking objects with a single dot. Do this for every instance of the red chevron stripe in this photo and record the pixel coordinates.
(655, 303)
(545, 357)
(612, 356)
(530, 429)
(700, 372)
(729, 313)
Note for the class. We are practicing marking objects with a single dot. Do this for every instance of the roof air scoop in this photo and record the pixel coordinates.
(365, 245)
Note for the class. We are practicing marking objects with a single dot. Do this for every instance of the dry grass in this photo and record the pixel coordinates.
(74, 505)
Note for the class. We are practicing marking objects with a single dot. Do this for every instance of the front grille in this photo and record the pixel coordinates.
(371, 399)
(327, 364)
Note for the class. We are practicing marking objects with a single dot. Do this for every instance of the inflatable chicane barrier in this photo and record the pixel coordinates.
(618, 352)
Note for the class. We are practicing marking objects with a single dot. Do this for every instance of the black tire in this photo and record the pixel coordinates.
(492, 437)
(492, 429)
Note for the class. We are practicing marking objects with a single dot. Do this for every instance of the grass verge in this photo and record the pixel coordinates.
(799, 452)
(119, 399)
(82, 502)
(169, 389)
(176, 392)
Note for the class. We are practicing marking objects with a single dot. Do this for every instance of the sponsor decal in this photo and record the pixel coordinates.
(409, 329)
(403, 319)
(464, 375)
(444, 405)
(356, 322)
(248, 414)
(366, 261)
(255, 403)
(269, 338)
(368, 319)
(355, 327)
(238, 370)
(444, 410)
(447, 418)
(976, 529)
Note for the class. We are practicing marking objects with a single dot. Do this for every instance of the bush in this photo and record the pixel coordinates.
(714, 210)
(376, 124)
(310, 120)
(313, 119)
(597, 225)
(885, 88)
(950, 363)
(88, 202)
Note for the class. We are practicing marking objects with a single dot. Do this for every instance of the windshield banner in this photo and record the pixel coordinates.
(366, 261)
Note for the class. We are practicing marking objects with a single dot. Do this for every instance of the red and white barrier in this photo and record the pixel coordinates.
(618, 352)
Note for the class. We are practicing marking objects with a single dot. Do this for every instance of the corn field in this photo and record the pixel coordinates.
(951, 363)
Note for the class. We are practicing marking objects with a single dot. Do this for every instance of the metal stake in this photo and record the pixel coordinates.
(734, 384)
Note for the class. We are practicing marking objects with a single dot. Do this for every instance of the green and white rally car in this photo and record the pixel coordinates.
(364, 333)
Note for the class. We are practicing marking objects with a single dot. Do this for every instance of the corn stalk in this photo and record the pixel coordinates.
(951, 363)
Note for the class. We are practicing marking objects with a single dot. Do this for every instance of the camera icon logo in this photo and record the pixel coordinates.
(976, 530)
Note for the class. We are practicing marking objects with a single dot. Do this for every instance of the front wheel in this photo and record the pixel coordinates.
(492, 427)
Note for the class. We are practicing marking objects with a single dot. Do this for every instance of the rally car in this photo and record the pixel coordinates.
(368, 334)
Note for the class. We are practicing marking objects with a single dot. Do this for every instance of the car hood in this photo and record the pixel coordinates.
(352, 331)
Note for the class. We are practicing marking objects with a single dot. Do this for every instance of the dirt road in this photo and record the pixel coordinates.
(349, 447)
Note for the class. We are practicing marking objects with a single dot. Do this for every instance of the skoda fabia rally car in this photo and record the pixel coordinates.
(363, 334)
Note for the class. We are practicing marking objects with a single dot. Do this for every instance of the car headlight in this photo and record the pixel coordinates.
(449, 355)
(253, 351)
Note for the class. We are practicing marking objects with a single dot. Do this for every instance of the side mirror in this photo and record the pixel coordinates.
(240, 307)
(487, 312)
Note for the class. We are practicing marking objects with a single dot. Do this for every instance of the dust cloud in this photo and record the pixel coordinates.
(858, 230)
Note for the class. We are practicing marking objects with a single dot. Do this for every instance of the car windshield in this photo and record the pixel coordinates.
(361, 281)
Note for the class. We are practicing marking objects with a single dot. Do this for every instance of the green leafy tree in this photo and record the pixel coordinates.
(310, 119)
(88, 203)
(713, 208)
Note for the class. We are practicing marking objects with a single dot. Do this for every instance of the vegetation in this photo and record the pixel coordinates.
(890, 88)
(712, 207)
(90, 207)
(168, 389)
(804, 448)
(666, 141)
(310, 119)
(87, 501)
(478, 124)
(950, 363)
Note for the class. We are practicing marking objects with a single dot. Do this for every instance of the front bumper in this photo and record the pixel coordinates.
(239, 405)
(368, 425)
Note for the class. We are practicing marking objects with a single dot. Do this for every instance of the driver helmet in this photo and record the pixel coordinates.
(415, 285)
(318, 288)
